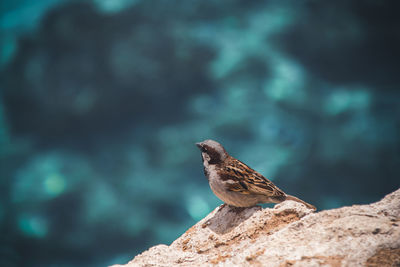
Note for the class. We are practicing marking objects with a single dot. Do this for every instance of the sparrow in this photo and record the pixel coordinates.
(235, 183)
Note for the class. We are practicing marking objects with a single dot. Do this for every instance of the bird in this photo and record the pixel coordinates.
(235, 183)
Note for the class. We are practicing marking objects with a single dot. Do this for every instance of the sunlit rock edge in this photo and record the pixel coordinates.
(287, 235)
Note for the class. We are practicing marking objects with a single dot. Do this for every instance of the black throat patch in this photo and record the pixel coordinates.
(215, 157)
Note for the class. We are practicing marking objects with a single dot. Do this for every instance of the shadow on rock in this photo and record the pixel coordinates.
(228, 217)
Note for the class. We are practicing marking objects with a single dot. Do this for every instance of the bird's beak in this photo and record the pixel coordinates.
(199, 145)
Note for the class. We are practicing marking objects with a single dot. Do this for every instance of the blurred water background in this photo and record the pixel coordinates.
(101, 103)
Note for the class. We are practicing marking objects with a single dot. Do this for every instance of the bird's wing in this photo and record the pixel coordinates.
(248, 181)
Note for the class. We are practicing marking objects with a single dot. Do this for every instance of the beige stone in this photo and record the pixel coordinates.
(287, 235)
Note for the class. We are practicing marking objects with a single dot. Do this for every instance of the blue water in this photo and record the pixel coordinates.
(101, 103)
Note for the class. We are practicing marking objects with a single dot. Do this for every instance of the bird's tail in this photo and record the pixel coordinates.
(289, 197)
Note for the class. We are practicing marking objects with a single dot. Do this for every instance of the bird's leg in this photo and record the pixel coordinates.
(237, 209)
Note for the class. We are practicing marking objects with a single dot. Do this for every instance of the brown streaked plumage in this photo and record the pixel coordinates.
(235, 183)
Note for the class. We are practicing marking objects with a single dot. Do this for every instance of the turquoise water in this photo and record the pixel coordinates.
(102, 101)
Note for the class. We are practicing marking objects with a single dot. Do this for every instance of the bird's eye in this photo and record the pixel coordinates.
(204, 149)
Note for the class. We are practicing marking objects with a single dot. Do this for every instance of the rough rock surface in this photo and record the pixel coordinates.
(287, 235)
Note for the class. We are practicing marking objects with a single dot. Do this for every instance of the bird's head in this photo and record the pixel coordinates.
(212, 151)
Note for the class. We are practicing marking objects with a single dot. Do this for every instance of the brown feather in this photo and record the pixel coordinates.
(248, 181)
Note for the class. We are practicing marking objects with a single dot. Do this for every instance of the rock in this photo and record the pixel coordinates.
(287, 235)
